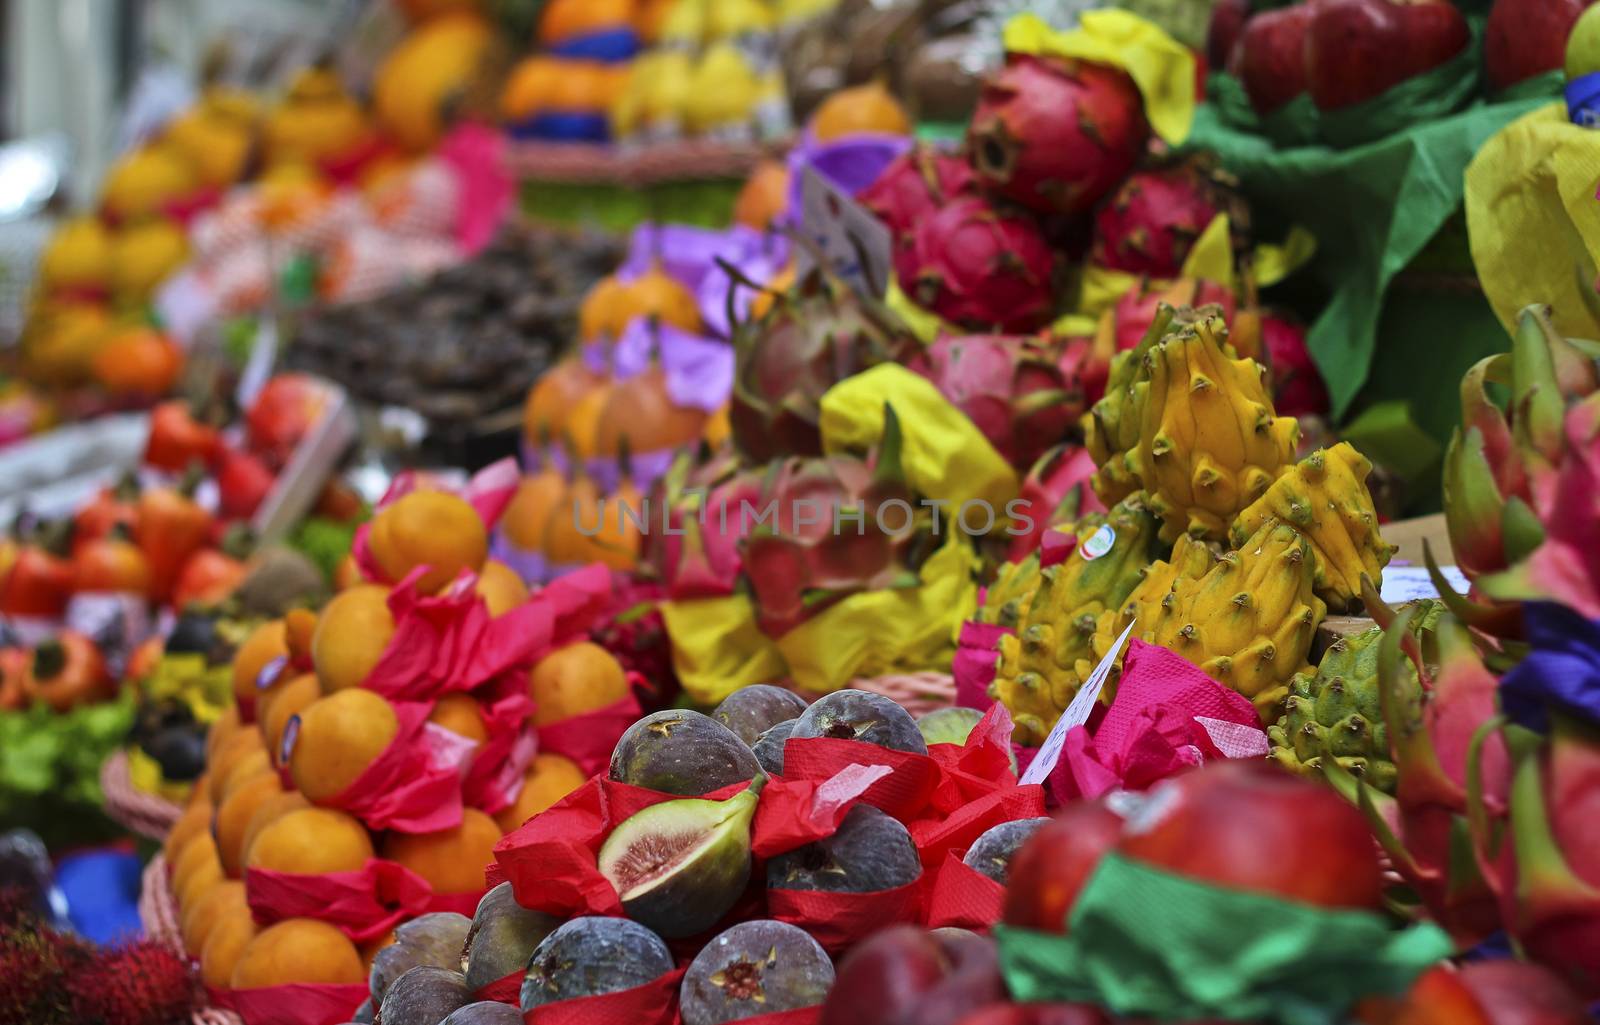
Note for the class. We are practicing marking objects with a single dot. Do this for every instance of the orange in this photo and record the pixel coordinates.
(298, 950)
(640, 416)
(718, 428)
(597, 315)
(433, 529)
(549, 779)
(269, 641)
(255, 763)
(196, 819)
(270, 811)
(860, 110)
(339, 736)
(529, 86)
(570, 681)
(525, 518)
(551, 402)
(500, 587)
(369, 949)
(352, 633)
(564, 543)
(656, 293)
(224, 943)
(764, 197)
(310, 841)
(223, 899)
(293, 699)
(459, 714)
(567, 19)
(451, 860)
(234, 815)
(197, 870)
(228, 755)
(227, 725)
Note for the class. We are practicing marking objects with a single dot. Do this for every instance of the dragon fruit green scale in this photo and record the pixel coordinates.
(1338, 712)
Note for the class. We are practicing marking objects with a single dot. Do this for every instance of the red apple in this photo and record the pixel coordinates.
(1226, 26)
(1049, 869)
(1525, 38)
(1270, 57)
(1356, 50)
(910, 976)
(1253, 826)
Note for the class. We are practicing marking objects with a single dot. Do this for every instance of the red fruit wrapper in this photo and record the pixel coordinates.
(937, 836)
(498, 769)
(654, 1003)
(962, 897)
(795, 812)
(589, 739)
(839, 921)
(364, 905)
(414, 786)
(978, 767)
(504, 990)
(460, 903)
(449, 642)
(486, 188)
(904, 791)
(292, 1005)
(1168, 716)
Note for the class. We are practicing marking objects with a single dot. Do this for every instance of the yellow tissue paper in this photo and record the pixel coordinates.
(946, 457)
(1159, 65)
(717, 647)
(1534, 219)
(925, 325)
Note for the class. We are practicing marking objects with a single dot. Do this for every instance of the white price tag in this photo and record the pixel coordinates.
(856, 245)
(258, 368)
(1076, 714)
(1409, 583)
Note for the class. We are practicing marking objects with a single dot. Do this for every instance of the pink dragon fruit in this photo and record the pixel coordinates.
(812, 549)
(1297, 386)
(1056, 135)
(913, 187)
(1152, 221)
(815, 335)
(1056, 491)
(982, 269)
(1432, 720)
(1522, 486)
(697, 554)
(1022, 393)
(1126, 323)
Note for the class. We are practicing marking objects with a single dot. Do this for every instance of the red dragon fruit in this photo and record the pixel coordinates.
(913, 187)
(982, 269)
(835, 526)
(816, 334)
(1154, 218)
(1522, 485)
(636, 634)
(1022, 393)
(1297, 386)
(1056, 491)
(1126, 323)
(696, 554)
(1427, 826)
(1056, 135)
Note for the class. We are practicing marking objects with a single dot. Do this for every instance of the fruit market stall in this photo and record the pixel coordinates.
(952, 589)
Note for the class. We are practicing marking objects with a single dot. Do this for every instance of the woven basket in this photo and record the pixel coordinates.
(593, 164)
(137, 811)
(158, 913)
(919, 693)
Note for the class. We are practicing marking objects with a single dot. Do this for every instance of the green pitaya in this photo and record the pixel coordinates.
(814, 336)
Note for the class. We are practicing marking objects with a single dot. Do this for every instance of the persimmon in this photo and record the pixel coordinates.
(352, 633)
(578, 678)
(433, 529)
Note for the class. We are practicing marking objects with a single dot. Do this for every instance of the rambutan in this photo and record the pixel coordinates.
(142, 983)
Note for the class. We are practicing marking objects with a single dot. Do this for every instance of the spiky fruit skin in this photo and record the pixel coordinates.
(1154, 602)
(979, 267)
(830, 535)
(636, 635)
(1044, 663)
(1056, 135)
(1022, 393)
(1111, 427)
(1338, 712)
(1297, 386)
(814, 336)
(1126, 323)
(1152, 221)
(140, 984)
(1210, 443)
(913, 186)
(1008, 598)
(1325, 498)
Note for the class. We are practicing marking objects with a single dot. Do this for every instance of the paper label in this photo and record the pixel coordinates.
(856, 245)
(1098, 543)
(1409, 583)
(1076, 714)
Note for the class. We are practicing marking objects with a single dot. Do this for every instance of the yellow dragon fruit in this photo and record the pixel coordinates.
(1210, 442)
(1111, 427)
(1043, 664)
(1325, 498)
(1154, 599)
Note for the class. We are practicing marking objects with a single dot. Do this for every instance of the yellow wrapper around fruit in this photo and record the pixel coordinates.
(1534, 221)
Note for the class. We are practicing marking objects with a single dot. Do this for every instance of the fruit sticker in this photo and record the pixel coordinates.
(1098, 543)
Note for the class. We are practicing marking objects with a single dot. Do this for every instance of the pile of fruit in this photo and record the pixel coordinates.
(465, 344)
